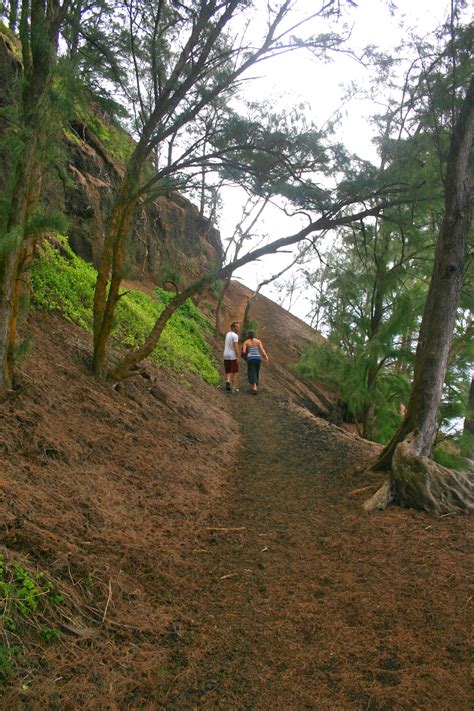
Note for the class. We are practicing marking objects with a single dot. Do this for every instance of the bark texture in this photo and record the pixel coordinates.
(439, 315)
(39, 31)
(416, 481)
(468, 433)
(419, 482)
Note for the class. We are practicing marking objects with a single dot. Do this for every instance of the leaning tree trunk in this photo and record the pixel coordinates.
(416, 481)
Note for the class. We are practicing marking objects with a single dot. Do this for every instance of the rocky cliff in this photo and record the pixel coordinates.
(168, 235)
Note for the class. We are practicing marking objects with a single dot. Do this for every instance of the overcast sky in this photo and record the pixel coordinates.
(297, 78)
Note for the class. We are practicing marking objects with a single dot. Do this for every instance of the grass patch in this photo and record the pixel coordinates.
(62, 281)
(115, 139)
(450, 460)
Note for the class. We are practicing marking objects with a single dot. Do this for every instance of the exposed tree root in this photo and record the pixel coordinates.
(420, 483)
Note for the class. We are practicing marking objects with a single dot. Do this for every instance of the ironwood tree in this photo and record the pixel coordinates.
(373, 284)
(21, 223)
(415, 480)
(468, 431)
(171, 63)
(185, 57)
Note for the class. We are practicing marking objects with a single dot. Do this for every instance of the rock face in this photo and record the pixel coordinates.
(168, 235)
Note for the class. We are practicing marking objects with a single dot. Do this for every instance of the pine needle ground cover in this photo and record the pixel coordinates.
(165, 543)
(62, 281)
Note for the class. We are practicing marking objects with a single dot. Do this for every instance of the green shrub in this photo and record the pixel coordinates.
(50, 634)
(449, 460)
(62, 281)
(7, 655)
(250, 325)
(29, 605)
(23, 595)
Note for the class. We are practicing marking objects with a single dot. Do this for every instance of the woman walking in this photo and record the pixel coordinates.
(253, 351)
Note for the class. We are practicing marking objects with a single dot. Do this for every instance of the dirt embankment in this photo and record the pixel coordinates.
(104, 491)
(212, 549)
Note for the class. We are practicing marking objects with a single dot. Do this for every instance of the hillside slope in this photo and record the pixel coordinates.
(210, 553)
(284, 336)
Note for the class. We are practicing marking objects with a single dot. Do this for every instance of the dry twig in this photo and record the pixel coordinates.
(108, 600)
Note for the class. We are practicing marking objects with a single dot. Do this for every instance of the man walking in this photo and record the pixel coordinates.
(231, 358)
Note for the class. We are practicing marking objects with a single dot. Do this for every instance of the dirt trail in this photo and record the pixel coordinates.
(310, 603)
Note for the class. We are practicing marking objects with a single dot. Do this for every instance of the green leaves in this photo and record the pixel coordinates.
(41, 222)
(11, 241)
(26, 597)
(63, 282)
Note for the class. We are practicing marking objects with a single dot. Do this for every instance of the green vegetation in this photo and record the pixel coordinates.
(25, 597)
(50, 634)
(11, 41)
(7, 655)
(347, 375)
(22, 592)
(250, 325)
(62, 281)
(117, 142)
(449, 459)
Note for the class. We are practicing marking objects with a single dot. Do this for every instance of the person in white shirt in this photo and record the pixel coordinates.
(231, 358)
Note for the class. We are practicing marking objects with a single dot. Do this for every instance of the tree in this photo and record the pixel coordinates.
(373, 284)
(125, 368)
(172, 88)
(269, 280)
(20, 222)
(415, 479)
(252, 212)
(371, 300)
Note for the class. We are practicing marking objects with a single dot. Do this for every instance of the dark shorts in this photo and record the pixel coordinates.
(231, 366)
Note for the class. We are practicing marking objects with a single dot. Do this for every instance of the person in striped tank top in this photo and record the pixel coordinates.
(253, 352)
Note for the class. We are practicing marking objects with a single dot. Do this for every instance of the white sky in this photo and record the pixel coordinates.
(297, 78)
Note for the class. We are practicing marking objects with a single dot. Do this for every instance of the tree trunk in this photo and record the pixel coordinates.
(126, 365)
(467, 442)
(22, 203)
(8, 277)
(369, 421)
(248, 306)
(220, 304)
(420, 483)
(13, 15)
(435, 339)
(109, 275)
(39, 30)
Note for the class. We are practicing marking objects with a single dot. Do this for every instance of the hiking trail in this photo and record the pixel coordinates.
(302, 601)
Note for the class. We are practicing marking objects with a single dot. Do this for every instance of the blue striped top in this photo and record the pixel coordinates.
(253, 353)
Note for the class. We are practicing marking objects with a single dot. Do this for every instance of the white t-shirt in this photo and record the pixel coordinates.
(229, 351)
